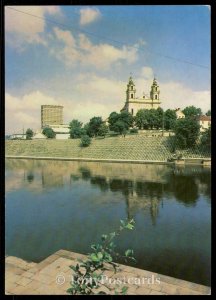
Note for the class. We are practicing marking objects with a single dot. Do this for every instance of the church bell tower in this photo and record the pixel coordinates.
(130, 92)
(155, 92)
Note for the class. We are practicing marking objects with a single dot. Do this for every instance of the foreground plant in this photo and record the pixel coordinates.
(88, 273)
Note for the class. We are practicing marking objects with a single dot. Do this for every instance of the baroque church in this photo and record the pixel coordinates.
(133, 103)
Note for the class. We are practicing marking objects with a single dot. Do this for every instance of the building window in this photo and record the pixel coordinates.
(131, 88)
(156, 89)
(131, 95)
(155, 96)
(132, 111)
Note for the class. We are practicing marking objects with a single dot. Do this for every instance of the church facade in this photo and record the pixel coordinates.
(133, 103)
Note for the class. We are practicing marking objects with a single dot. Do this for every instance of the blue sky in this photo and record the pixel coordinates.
(82, 58)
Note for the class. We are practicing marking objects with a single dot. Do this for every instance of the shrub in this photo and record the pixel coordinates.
(88, 273)
(134, 130)
(85, 141)
(49, 133)
(29, 134)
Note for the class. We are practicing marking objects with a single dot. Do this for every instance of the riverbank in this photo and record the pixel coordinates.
(52, 276)
(135, 148)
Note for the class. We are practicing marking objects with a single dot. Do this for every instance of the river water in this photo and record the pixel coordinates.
(52, 205)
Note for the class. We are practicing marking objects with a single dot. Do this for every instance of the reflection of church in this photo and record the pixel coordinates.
(143, 186)
(136, 203)
(133, 103)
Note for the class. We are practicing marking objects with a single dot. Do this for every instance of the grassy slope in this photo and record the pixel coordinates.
(131, 147)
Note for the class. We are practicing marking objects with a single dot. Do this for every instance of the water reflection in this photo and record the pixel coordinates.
(147, 187)
(30, 176)
(52, 205)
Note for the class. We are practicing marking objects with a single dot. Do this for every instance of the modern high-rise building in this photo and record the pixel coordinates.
(51, 115)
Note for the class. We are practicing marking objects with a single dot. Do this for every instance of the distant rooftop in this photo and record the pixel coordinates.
(204, 118)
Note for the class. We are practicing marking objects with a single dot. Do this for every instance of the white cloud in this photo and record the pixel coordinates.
(147, 73)
(65, 36)
(23, 28)
(80, 50)
(89, 15)
(24, 111)
(174, 95)
(93, 95)
(90, 96)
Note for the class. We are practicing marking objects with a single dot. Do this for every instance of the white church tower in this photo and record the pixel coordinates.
(131, 91)
(133, 103)
(155, 92)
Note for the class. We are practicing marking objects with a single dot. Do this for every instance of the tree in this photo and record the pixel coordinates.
(126, 118)
(113, 118)
(190, 111)
(85, 141)
(159, 118)
(208, 113)
(49, 133)
(103, 129)
(120, 127)
(29, 134)
(75, 129)
(149, 118)
(141, 119)
(186, 132)
(206, 138)
(88, 130)
(169, 119)
(94, 125)
(120, 122)
(152, 117)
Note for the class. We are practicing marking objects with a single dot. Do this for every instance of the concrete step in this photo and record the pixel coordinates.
(52, 276)
(13, 263)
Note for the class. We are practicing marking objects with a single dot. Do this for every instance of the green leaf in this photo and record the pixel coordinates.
(94, 247)
(104, 237)
(73, 268)
(122, 222)
(134, 259)
(108, 257)
(112, 234)
(112, 245)
(124, 290)
(129, 226)
(100, 255)
(94, 257)
(128, 252)
(70, 290)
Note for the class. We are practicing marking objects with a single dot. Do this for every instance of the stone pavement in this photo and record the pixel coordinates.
(52, 276)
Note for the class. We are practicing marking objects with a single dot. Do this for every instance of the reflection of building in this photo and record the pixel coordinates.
(133, 103)
(51, 179)
(51, 114)
(136, 203)
(179, 113)
(204, 122)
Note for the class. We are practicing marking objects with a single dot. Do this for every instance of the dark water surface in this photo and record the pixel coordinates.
(52, 205)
